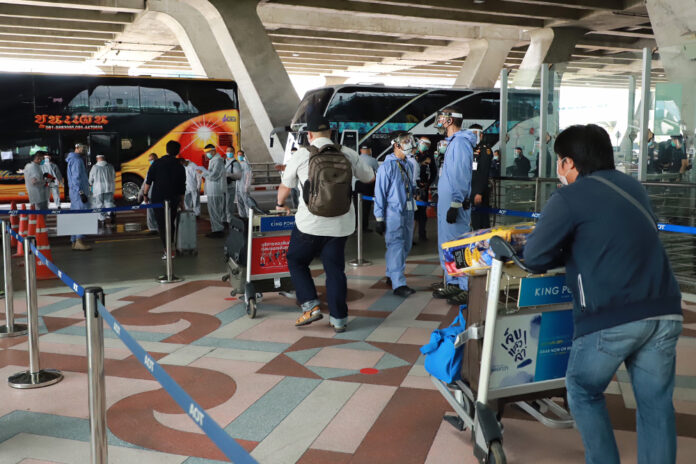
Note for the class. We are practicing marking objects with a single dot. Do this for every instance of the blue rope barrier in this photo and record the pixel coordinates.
(212, 429)
(15, 212)
(534, 215)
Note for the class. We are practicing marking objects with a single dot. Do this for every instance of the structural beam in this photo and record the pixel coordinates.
(609, 5)
(59, 14)
(128, 6)
(550, 46)
(483, 63)
(46, 23)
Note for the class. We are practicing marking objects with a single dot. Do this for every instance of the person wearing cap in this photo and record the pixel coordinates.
(36, 182)
(454, 190)
(365, 188)
(55, 178)
(395, 204)
(78, 184)
(215, 188)
(234, 173)
(102, 178)
(317, 236)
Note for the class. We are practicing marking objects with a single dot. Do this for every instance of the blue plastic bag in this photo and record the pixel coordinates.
(442, 359)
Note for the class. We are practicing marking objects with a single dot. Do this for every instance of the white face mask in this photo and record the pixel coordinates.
(563, 179)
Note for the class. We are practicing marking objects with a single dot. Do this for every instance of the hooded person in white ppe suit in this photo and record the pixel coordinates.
(50, 168)
(102, 179)
(215, 188)
(242, 185)
(35, 182)
(192, 198)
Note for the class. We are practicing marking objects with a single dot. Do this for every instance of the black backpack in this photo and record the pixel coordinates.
(328, 189)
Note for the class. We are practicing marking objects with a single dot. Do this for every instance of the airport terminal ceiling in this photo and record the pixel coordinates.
(425, 41)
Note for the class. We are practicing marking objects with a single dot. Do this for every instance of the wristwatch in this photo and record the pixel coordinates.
(278, 205)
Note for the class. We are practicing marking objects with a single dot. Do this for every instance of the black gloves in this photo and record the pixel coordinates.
(83, 197)
(452, 215)
(381, 227)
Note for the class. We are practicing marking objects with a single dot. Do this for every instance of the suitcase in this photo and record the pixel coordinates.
(186, 230)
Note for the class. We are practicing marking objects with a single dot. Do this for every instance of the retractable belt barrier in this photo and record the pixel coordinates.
(532, 215)
(212, 429)
(14, 212)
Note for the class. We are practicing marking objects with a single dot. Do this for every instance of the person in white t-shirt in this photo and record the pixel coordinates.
(314, 236)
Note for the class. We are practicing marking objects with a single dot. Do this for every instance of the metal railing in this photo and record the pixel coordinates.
(674, 203)
(264, 173)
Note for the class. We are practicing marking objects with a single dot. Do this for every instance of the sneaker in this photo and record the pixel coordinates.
(404, 291)
(338, 329)
(79, 245)
(164, 256)
(388, 281)
(449, 291)
(462, 298)
(308, 317)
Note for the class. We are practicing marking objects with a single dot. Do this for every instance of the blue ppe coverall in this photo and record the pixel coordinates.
(453, 187)
(77, 181)
(395, 204)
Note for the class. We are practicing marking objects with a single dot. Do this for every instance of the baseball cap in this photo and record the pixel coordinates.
(210, 146)
(317, 123)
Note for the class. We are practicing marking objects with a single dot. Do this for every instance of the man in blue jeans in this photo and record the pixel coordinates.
(626, 301)
(318, 236)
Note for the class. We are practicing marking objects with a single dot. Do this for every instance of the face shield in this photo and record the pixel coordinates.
(442, 147)
(479, 135)
(423, 145)
(441, 121)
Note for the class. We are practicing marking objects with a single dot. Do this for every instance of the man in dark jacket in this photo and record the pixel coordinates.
(626, 301)
(480, 191)
(521, 164)
(428, 175)
(169, 179)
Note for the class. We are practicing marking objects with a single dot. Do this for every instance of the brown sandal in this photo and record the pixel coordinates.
(308, 317)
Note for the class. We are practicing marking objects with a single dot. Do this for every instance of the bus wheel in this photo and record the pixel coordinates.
(131, 188)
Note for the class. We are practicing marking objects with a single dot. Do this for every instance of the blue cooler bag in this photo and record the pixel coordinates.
(442, 359)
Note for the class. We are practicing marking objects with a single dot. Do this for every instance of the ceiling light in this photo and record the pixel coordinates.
(295, 54)
(479, 1)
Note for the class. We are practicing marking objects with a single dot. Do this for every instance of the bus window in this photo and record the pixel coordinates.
(79, 103)
(159, 100)
(315, 100)
(115, 99)
(362, 109)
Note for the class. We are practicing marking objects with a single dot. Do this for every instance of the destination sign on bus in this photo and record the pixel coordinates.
(70, 122)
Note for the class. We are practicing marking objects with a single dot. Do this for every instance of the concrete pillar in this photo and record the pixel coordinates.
(227, 40)
(551, 45)
(334, 80)
(674, 23)
(482, 66)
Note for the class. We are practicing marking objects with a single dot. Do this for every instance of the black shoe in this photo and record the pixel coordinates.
(450, 291)
(388, 281)
(462, 298)
(404, 291)
(218, 234)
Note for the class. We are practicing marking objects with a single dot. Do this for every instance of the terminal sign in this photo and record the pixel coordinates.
(537, 291)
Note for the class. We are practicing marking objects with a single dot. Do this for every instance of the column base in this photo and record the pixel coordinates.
(163, 279)
(42, 378)
(17, 330)
(359, 263)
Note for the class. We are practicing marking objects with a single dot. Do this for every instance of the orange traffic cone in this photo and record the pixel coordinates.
(32, 223)
(14, 224)
(42, 271)
(23, 223)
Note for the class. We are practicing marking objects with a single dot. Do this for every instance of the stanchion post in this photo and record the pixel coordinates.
(360, 261)
(95, 373)
(35, 377)
(169, 277)
(10, 329)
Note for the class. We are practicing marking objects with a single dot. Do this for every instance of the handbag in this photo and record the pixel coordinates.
(442, 359)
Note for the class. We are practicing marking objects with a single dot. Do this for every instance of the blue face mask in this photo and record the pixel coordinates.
(209, 155)
(42, 162)
(152, 161)
(241, 158)
(230, 155)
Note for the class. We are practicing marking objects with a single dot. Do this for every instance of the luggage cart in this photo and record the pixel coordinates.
(517, 342)
(268, 237)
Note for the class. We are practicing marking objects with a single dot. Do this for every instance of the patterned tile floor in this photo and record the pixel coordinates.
(286, 394)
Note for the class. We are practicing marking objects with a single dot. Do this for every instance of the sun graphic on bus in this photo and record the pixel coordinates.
(204, 130)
